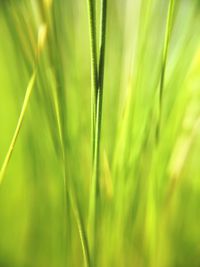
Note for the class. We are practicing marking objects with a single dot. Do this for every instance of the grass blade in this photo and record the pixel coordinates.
(94, 66)
(19, 124)
(98, 120)
(164, 62)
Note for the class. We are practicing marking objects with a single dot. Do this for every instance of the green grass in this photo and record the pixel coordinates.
(99, 133)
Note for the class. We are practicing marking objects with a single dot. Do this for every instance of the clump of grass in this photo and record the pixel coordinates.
(132, 195)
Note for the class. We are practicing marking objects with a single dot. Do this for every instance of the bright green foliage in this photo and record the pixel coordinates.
(99, 133)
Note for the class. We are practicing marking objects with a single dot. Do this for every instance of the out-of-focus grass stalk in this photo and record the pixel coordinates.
(164, 62)
(81, 228)
(96, 162)
(40, 45)
(70, 199)
(94, 66)
(69, 192)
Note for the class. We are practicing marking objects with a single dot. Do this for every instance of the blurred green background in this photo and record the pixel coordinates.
(149, 212)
